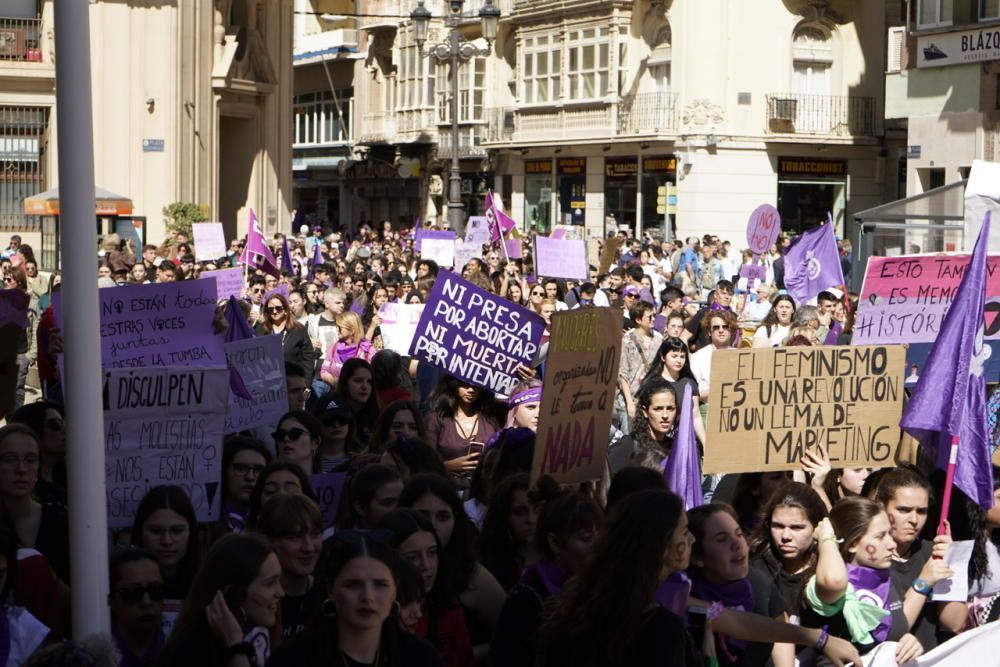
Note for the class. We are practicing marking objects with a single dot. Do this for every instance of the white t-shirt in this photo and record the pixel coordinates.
(701, 367)
(779, 332)
(26, 634)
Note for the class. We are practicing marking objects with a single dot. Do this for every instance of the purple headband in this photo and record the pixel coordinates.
(531, 395)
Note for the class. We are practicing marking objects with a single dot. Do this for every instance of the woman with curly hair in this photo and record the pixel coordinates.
(652, 432)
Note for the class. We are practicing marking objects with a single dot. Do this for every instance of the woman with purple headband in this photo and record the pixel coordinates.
(523, 405)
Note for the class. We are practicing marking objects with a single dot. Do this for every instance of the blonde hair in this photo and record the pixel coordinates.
(350, 322)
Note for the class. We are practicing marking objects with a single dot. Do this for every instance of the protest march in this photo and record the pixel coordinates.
(416, 446)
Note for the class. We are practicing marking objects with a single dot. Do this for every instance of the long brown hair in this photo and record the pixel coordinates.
(790, 494)
(602, 609)
(850, 518)
(290, 322)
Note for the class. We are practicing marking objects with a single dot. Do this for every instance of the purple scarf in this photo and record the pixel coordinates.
(552, 576)
(834, 333)
(732, 594)
(673, 594)
(872, 586)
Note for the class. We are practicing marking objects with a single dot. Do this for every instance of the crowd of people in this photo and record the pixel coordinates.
(443, 551)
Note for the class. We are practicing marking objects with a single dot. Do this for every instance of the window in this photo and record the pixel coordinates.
(989, 9)
(322, 117)
(22, 173)
(541, 66)
(931, 13)
(471, 91)
(414, 79)
(588, 63)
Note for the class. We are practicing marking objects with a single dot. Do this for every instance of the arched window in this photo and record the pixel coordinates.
(812, 59)
(659, 59)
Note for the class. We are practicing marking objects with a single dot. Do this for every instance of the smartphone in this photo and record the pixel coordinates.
(234, 600)
(476, 447)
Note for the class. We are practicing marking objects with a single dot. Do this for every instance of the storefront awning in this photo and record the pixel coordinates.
(47, 203)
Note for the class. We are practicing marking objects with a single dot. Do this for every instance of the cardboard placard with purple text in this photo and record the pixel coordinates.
(163, 426)
(904, 300)
(474, 335)
(763, 228)
(260, 362)
(439, 247)
(581, 377)
(561, 258)
(398, 324)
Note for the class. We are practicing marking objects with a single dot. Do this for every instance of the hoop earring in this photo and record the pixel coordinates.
(328, 608)
(397, 608)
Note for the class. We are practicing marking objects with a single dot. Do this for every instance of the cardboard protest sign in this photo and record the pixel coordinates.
(163, 426)
(440, 247)
(763, 228)
(228, 282)
(578, 395)
(593, 252)
(904, 300)
(609, 255)
(161, 324)
(260, 362)
(398, 325)
(561, 258)
(209, 241)
(477, 230)
(474, 335)
(328, 488)
(767, 407)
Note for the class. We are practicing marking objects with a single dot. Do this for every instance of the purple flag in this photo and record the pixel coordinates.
(237, 329)
(499, 222)
(257, 255)
(682, 469)
(812, 264)
(950, 397)
(317, 255)
(286, 255)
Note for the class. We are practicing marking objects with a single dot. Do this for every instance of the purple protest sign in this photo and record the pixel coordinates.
(561, 258)
(753, 272)
(161, 324)
(228, 282)
(328, 488)
(474, 335)
(763, 228)
(513, 247)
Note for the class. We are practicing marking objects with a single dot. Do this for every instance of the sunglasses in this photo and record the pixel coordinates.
(134, 594)
(720, 327)
(291, 434)
(257, 290)
(275, 309)
(54, 424)
(538, 294)
(244, 468)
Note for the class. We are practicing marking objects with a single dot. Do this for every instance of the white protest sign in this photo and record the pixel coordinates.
(260, 362)
(561, 258)
(441, 251)
(209, 241)
(477, 230)
(399, 325)
(956, 589)
(466, 252)
(163, 426)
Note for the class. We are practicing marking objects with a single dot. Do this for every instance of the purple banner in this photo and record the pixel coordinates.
(561, 258)
(753, 272)
(474, 335)
(161, 324)
(763, 228)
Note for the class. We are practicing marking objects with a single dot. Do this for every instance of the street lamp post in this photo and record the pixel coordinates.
(455, 50)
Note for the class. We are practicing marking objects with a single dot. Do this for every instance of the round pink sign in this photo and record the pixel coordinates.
(763, 228)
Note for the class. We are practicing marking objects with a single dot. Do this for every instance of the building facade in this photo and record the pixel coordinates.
(603, 113)
(192, 102)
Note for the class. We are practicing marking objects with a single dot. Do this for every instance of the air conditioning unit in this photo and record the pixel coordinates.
(784, 109)
(896, 43)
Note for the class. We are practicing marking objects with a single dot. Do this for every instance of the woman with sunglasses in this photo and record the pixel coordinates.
(359, 624)
(230, 618)
(295, 342)
(45, 418)
(297, 439)
(721, 328)
(243, 459)
(536, 296)
(136, 602)
(27, 349)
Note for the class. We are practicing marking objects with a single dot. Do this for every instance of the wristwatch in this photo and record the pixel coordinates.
(922, 587)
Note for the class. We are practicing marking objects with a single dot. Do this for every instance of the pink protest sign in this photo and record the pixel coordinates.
(229, 282)
(763, 228)
(904, 299)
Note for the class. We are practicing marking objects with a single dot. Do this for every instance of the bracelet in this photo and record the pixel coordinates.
(831, 538)
(714, 610)
(824, 636)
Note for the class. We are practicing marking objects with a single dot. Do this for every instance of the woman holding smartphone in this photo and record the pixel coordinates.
(459, 424)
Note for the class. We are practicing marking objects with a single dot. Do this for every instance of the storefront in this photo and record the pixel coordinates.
(382, 194)
(538, 195)
(572, 175)
(621, 188)
(659, 175)
(808, 190)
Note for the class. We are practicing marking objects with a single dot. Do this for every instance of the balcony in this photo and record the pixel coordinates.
(323, 123)
(20, 40)
(469, 139)
(378, 128)
(821, 115)
(643, 115)
(325, 45)
(416, 126)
